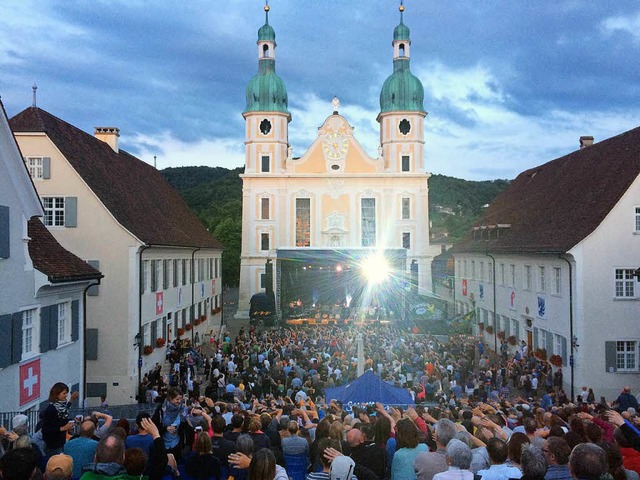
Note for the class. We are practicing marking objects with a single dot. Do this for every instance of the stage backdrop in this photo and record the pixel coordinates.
(369, 388)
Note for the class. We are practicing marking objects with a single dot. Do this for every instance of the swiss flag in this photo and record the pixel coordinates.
(29, 382)
(159, 303)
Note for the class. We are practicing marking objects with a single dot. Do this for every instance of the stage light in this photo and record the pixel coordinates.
(375, 268)
(338, 268)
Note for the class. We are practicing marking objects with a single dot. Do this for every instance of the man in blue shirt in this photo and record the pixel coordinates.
(82, 449)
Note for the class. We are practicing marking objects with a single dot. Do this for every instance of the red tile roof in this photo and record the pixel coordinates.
(135, 193)
(552, 207)
(53, 260)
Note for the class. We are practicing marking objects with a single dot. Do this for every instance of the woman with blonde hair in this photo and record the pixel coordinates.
(203, 464)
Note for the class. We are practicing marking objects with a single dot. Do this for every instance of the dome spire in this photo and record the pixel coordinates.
(401, 8)
(266, 12)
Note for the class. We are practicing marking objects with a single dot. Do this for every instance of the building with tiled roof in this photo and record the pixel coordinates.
(161, 265)
(553, 263)
(42, 294)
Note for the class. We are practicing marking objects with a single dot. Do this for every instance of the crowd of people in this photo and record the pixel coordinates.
(254, 407)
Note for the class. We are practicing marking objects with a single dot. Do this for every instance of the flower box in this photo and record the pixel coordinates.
(501, 334)
(555, 360)
(189, 327)
(489, 329)
(148, 350)
(512, 340)
(481, 326)
(160, 342)
(540, 354)
(180, 332)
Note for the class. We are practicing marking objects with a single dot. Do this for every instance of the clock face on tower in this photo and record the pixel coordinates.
(335, 145)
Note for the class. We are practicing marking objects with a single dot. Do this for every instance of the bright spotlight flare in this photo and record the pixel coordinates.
(375, 268)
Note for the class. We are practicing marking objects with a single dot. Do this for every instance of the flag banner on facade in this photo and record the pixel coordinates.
(425, 307)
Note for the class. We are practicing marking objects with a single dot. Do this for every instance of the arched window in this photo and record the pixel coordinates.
(265, 50)
(401, 49)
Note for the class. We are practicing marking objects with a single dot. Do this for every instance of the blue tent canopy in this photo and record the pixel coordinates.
(369, 388)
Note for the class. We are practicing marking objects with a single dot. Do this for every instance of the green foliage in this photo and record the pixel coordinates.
(215, 195)
(464, 198)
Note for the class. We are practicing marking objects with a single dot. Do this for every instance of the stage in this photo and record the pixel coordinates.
(325, 286)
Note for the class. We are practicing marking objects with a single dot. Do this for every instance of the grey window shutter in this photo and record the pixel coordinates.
(564, 351)
(75, 320)
(5, 236)
(5, 332)
(550, 343)
(507, 327)
(76, 388)
(53, 327)
(16, 337)
(71, 212)
(154, 332)
(91, 338)
(45, 330)
(164, 327)
(95, 290)
(46, 167)
(610, 354)
(535, 338)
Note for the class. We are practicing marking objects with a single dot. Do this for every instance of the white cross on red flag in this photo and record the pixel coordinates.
(159, 303)
(29, 382)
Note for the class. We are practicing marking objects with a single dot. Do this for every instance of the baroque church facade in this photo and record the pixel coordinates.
(335, 200)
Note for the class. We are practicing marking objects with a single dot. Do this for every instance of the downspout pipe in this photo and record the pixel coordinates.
(84, 339)
(571, 342)
(495, 326)
(193, 280)
(140, 293)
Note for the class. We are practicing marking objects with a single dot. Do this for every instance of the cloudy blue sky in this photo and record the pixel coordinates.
(509, 84)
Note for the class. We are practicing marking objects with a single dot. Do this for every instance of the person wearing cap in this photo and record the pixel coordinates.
(59, 467)
(82, 449)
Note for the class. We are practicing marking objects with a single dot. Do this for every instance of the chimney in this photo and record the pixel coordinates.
(109, 135)
(586, 141)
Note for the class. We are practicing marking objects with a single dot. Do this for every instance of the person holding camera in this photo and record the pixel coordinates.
(55, 419)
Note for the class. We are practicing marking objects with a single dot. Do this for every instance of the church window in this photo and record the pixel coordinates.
(264, 241)
(406, 240)
(264, 208)
(368, 211)
(265, 126)
(406, 208)
(265, 51)
(401, 49)
(265, 163)
(303, 222)
(404, 126)
(406, 163)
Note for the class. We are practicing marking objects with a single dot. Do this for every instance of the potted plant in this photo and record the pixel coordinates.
(189, 327)
(148, 350)
(180, 331)
(160, 342)
(540, 354)
(501, 334)
(512, 340)
(555, 360)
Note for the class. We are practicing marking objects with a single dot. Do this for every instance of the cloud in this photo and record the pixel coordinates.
(172, 152)
(627, 24)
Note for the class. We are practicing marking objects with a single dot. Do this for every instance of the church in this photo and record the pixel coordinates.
(334, 228)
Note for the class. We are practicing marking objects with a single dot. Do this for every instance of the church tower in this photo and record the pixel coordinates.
(267, 120)
(402, 111)
(266, 115)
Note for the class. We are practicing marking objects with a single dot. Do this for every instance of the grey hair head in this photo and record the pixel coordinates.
(245, 444)
(459, 454)
(533, 461)
(445, 431)
(464, 437)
